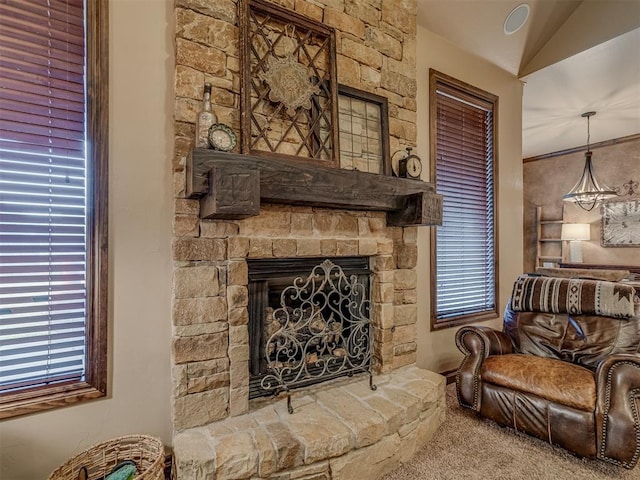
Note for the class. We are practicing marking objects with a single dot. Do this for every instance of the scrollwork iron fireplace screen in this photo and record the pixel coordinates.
(309, 321)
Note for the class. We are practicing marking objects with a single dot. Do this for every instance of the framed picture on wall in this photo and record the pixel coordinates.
(364, 131)
(621, 223)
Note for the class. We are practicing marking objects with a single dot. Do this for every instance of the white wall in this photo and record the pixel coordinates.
(140, 213)
(437, 350)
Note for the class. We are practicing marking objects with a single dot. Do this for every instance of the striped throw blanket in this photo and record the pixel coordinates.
(573, 296)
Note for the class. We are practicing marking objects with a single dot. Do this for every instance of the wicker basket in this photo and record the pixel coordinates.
(146, 451)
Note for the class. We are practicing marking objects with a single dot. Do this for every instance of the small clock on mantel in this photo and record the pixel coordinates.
(222, 138)
(409, 166)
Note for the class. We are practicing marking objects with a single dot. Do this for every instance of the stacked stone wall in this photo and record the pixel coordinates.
(375, 52)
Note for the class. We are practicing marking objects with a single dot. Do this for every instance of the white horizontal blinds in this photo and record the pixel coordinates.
(464, 175)
(42, 192)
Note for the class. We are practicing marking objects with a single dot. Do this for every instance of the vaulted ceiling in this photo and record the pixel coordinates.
(573, 56)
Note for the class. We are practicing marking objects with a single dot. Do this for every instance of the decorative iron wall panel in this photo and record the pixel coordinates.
(289, 100)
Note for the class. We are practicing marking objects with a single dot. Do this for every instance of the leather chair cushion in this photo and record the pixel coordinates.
(554, 380)
(582, 339)
(561, 425)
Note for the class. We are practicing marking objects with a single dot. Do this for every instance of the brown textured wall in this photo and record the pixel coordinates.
(545, 181)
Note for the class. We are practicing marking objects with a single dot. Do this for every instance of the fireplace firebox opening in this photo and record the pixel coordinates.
(309, 322)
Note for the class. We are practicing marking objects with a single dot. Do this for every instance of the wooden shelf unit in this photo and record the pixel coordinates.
(549, 246)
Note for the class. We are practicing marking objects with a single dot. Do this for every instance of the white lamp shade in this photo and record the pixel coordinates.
(575, 231)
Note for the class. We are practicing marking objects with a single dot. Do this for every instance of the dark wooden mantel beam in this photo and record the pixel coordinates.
(232, 185)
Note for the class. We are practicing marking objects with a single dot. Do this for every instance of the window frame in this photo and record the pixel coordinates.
(36, 399)
(437, 78)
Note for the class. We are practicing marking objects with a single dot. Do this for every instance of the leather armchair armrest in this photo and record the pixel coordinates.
(617, 415)
(477, 343)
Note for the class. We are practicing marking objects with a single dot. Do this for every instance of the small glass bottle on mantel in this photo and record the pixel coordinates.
(205, 119)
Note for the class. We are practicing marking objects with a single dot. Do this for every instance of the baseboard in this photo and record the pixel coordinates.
(450, 375)
(169, 473)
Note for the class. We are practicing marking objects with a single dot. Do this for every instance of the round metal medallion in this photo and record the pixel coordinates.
(289, 83)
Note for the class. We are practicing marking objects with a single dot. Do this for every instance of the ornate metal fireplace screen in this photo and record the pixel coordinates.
(319, 330)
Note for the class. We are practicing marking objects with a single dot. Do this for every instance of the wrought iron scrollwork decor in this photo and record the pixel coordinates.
(320, 329)
(289, 84)
(630, 187)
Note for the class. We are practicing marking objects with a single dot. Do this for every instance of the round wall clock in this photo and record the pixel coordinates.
(221, 137)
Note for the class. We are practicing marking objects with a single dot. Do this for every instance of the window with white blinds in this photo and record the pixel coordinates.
(47, 203)
(464, 247)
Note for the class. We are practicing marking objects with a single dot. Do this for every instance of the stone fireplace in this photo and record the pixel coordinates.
(211, 352)
(221, 430)
(211, 347)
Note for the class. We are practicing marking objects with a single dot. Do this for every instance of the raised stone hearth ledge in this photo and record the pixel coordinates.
(339, 431)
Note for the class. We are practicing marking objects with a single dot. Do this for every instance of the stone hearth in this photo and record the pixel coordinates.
(342, 432)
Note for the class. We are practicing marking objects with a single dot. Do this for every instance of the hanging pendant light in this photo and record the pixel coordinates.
(587, 193)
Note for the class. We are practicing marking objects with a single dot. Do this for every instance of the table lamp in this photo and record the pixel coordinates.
(575, 233)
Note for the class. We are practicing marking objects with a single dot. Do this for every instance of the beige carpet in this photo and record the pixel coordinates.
(468, 447)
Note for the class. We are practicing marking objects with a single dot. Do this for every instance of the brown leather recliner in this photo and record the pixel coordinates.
(570, 379)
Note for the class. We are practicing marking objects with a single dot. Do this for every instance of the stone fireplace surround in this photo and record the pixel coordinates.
(210, 337)
(341, 429)
(213, 417)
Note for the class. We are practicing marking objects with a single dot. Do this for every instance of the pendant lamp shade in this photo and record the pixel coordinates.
(588, 192)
